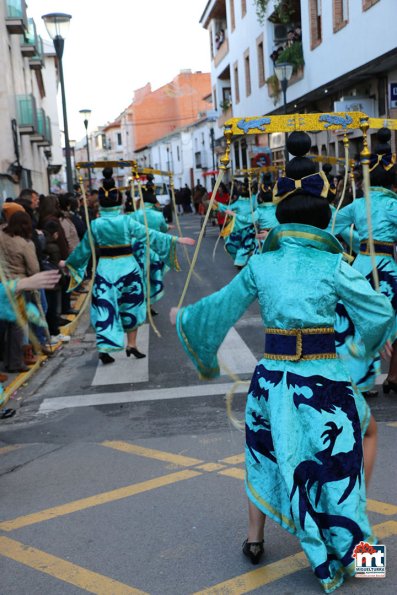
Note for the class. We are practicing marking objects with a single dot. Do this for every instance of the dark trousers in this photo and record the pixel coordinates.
(13, 348)
(52, 296)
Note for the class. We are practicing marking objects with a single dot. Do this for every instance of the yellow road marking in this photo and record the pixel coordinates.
(5, 449)
(235, 460)
(151, 453)
(244, 583)
(381, 507)
(103, 498)
(63, 570)
(233, 472)
(210, 467)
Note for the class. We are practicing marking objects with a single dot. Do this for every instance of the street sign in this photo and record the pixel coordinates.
(393, 94)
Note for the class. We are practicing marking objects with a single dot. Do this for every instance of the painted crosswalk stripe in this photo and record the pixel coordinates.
(236, 355)
(137, 396)
(126, 370)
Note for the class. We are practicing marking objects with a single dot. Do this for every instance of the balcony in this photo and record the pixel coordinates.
(26, 114)
(222, 52)
(29, 40)
(226, 115)
(16, 19)
(36, 62)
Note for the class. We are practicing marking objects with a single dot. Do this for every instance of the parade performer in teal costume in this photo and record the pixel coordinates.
(239, 233)
(264, 217)
(384, 230)
(155, 220)
(118, 299)
(13, 305)
(305, 423)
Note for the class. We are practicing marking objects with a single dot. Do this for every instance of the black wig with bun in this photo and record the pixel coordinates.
(301, 207)
(379, 176)
(108, 195)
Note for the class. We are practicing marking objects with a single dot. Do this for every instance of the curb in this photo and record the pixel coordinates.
(67, 330)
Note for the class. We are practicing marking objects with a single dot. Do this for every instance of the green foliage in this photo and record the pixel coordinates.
(261, 7)
(274, 86)
(284, 10)
(294, 55)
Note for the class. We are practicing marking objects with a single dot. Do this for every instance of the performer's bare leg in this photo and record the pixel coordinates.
(131, 345)
(392, 375)
(370, 445)
(256, 523)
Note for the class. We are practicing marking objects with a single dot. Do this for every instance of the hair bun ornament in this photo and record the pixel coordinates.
(327, 167)
(107, 172)
(383, 135)
(298, 143)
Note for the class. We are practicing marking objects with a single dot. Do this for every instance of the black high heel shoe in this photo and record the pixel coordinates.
(106, 358)
(389, 386)
(134, 351)
(254, 550)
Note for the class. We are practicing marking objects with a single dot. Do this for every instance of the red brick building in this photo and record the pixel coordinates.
(154, 114)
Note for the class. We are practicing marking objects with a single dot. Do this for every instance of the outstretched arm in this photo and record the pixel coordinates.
(203, 326)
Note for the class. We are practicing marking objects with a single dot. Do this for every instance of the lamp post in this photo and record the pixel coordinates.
(86, 114)
(283, 72)
(57, 25)
(72, 144)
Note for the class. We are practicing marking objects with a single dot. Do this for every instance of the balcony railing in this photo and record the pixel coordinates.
(16, 18)
(26, 114)
(43, 136)
(29, 40)
(222, 52)
(226, 115)
(36, 62)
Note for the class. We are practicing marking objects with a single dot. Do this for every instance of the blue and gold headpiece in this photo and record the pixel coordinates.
(387, 160)
(315, 185)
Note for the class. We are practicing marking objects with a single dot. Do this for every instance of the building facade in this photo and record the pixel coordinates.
(344, 59)
(29, 144)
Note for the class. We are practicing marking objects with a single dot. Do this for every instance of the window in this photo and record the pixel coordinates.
(243, 8)
(236, 84)
(214, 96)
(261, 61)
(247, 72)
(340, 14)
(232, 17)
(315, 23)
(369, 3)
(119, 139)
(178, 153)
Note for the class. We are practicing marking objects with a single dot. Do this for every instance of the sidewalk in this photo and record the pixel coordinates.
(15, 381)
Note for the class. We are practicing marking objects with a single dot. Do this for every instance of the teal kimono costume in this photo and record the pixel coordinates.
(239, 234)
(118, 298)
(384, 228)
(7, 312)
(348, 235)
(304, 420)
(158, 268)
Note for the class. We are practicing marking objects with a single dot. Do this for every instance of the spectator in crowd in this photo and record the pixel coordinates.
(20, 258)
(187, 199)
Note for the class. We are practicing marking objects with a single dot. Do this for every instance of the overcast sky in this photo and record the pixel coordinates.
(114, 47)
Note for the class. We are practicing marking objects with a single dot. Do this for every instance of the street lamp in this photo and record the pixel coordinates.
(283, 72)
(72, 144)
(57, 25)
(86, 114)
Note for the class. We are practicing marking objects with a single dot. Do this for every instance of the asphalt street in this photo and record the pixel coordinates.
(129, 478)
